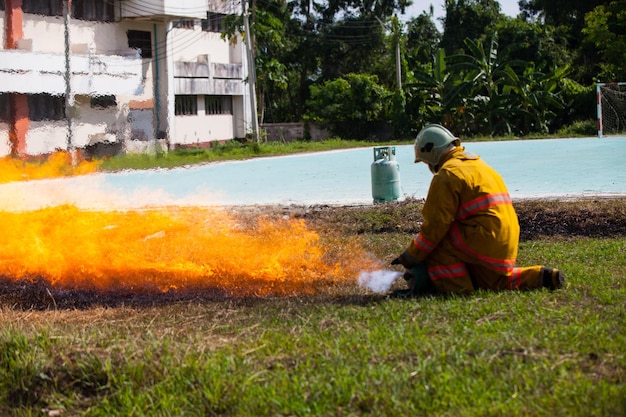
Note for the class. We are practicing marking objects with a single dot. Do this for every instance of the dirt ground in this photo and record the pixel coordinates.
(591, 217)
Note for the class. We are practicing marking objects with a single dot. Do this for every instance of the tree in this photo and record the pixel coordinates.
(422, 40)
(348, 44)
(437, 94)
(568, 17)
(605, 28)
(531, 42)
(351, 105)
(271, 42)
(467, 19)
(535, 98)
(484, 72)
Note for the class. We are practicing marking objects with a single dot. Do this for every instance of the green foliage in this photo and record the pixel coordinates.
(351, 105)
(467, 19)
(531, 42)
(604, 27)
(400, 123)
(580, 129)
(422, 40)
(300, 47)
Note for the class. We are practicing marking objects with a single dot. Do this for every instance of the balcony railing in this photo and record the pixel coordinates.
(208, 78)
(35, 72)
(163, 9)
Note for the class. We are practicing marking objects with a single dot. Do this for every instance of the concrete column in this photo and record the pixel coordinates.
(14, 17)
(18, 103)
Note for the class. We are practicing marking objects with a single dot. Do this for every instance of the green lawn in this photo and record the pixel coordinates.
(535, 353)
(229, 151)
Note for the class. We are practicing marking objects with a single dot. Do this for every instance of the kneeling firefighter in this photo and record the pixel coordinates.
(470, 233)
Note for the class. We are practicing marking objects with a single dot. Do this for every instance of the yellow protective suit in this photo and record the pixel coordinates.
(470, 234)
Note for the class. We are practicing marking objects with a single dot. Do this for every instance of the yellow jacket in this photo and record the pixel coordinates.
(469, 204)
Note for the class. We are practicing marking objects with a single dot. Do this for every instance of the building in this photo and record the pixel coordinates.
(120, 74)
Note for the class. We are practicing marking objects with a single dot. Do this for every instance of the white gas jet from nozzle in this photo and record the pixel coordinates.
(378, 281)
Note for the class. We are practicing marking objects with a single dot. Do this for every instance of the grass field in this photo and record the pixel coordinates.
(343, 351)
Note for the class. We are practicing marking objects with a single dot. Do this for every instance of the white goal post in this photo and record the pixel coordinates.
(611, 104)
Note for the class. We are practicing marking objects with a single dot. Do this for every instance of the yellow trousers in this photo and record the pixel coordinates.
(454, 272)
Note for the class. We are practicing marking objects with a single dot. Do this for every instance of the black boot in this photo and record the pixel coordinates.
(552, 278)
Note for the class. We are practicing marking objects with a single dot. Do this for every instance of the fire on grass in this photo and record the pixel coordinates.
(58, 164)
(163, 250)
(172, 249)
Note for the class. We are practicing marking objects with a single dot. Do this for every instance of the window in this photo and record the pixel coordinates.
(185, 105)
(102, 102)
(214, 22)
(218, 105)
(186, 24)
(141, 40)
(4, 108)
(45, 107)
(44, 7)
(100, 10)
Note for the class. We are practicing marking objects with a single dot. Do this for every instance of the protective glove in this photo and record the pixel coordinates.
(418, 283)
(418, 280)
(406, 260)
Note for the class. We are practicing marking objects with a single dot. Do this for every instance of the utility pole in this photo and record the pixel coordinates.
(395, 31)
(251, 72)
(67, 11)
(395, 27)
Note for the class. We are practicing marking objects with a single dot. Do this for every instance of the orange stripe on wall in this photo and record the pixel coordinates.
(141, 104)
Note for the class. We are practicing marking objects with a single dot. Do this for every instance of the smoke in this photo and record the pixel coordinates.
(378, 281)
(90, 192)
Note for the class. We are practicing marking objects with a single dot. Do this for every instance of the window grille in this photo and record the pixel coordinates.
(214, 22)
(43, 107)
(185, 105)
(4, 108)
(141, 40)
(186, 24)
(218, 105)
(43, 7)
(102, 102)
(96, 10)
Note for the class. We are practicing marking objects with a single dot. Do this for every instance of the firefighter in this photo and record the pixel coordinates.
(469, 236)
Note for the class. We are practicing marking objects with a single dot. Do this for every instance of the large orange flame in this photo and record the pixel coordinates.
(58, 164)
(172, 249)
(164, 249)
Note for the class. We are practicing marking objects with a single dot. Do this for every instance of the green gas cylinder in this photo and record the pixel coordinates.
(385, 175)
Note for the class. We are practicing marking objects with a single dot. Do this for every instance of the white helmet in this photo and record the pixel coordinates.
(431, 142)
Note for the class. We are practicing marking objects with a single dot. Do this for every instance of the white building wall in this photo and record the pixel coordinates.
(46, 137)
(241, 116)
(44, 38)
(202, 46)
(2, 27)
(196, 130)
(94, 47)
(5, 144)
(46, 35)
(189, 44)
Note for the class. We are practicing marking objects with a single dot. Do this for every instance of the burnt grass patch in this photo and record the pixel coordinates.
(586, 217)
